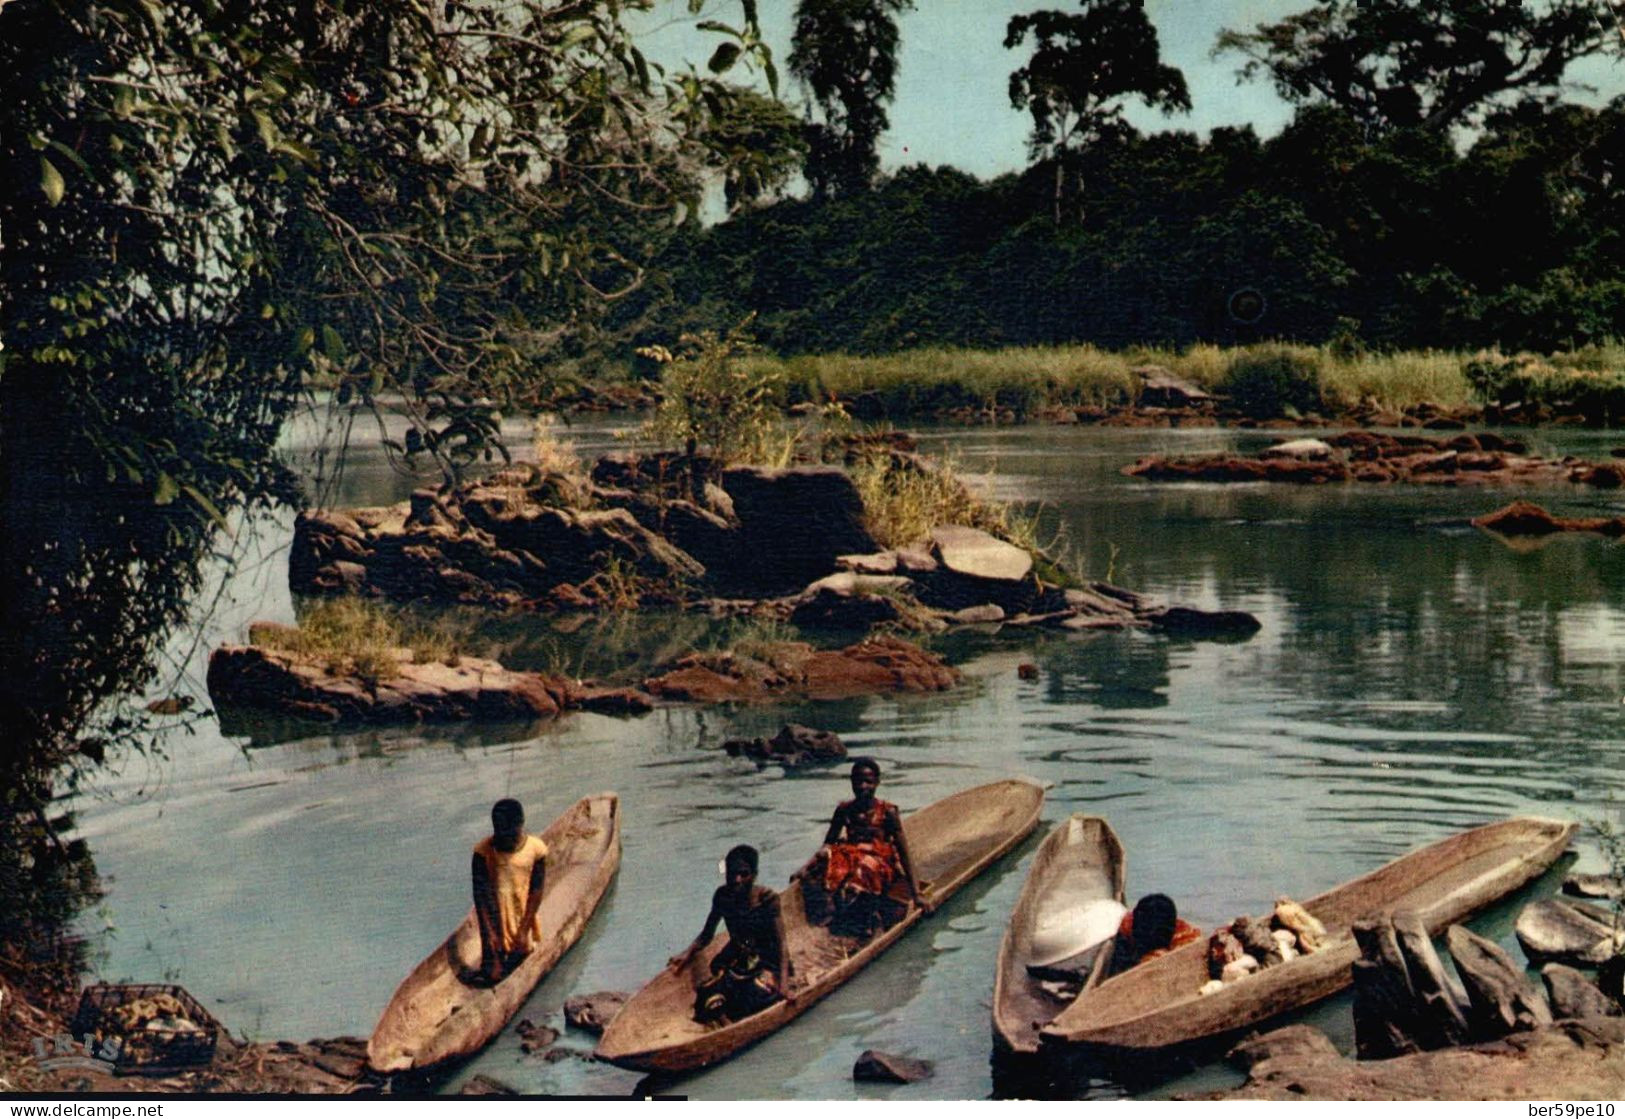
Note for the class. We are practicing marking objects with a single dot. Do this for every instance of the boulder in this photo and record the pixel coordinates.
(831, 609)
(1440, 1017)
(1572, 995)
(1594, 886)
(1499, 998)
(305, 687)
(1570, 933)
(483, 1085)
(796, 669)
(1299, 448)
(593, 1012)
(978, 615)
(534, 1038)
(793, 525)
(1290, 1043)
(1525, 518)
(975, 568)
(1576, 1060)
(794, 745)
(875, 1065)
(877, 563)
(1188, 621)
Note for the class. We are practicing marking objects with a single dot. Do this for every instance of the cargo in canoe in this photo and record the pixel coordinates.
(1060, 931)
(951, 841)
(1156, 1005)
(436, 1016)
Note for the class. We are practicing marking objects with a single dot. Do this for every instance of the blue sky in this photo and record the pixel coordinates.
(952, 103)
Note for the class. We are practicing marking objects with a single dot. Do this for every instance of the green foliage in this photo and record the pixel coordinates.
(844, 54)
(712, 401)
(1081, 69)
(1274, 381)
(1590, 383)
(1427, 64)
(757, 142)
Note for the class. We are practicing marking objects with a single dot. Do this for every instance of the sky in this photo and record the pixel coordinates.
(953, 106)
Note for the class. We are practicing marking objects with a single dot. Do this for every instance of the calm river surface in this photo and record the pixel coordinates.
(1413, 677)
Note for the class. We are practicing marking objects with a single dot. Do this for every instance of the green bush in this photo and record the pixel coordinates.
(1269, 381)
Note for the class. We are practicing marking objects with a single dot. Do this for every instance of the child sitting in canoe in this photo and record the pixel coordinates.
(752, 970)
(509, 871)
(1152, 928)
(846, 885)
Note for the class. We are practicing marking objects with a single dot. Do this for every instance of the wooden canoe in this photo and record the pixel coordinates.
(1078, 863)
(435, 1016)
(1157, 1005)
(951, 841)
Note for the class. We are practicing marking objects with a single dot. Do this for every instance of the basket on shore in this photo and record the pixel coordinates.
(157, 1027)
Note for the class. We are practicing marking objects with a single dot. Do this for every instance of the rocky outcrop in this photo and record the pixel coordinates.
(795, 669)
(793, 524)
(974, 568)
(1525, 518)
(1484, 459)
(1573, 1060)
(1403, 1000)
(471, 688)
(1572, 995)
(794, 745)
(1499, 998)
(875, 1065)
(1594, 886)
(1566, 932)
(593, 1012)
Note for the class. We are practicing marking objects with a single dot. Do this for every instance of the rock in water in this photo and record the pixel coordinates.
(888, 1068)
(1500, 999)
(483, 1085)
(1604, 886)
(1554, 930)
(794, 745)
(979, 555)
(1288, 1043)
(534, 1038)
(793, 526)
(593, 1012)
(1385, 1012)
(1574, 996)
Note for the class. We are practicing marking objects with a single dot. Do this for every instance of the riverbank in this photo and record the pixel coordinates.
(1243, 384)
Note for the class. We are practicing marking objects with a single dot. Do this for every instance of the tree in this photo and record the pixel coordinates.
(759, 145)
(844, 53)
(1432, 64)
(203, 204)
(1081, 69)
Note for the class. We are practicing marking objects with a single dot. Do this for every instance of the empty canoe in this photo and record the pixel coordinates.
(436, 1016)
(1068, 910)
(951, 841)
(1157, 1004)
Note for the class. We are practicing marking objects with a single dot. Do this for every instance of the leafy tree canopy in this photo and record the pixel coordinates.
(844, 53)
(1082, 68)
(1422, 63)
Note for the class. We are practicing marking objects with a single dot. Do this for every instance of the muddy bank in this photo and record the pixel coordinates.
(1483, 459)
(1582, 1059)
(1526, 519)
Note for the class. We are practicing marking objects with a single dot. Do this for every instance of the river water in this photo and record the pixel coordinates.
(1413, 677)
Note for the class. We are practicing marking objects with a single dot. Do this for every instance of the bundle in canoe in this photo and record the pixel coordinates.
(437, 1016)
(1061, 927)
(1157, 1005)
(950, 841)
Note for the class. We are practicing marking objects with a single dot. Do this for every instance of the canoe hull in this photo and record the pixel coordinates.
(655, 1032)
(1082, 845)
(1156, 1006)
(434, 1017)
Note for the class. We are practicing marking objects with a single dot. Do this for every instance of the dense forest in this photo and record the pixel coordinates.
(1437, 187)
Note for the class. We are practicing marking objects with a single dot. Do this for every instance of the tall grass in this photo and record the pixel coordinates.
(1027, 379)
(356, 637)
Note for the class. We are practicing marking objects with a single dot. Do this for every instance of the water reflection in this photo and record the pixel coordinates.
(1411, 679)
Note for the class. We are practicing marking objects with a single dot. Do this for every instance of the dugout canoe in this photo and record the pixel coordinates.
(436, 1016)
(1069, 907)
(951, 841)
(1157, 1006)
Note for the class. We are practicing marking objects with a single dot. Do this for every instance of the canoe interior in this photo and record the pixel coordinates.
(1157, 1005)
(1080, 860)
(951, 840)
(436, 1016)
